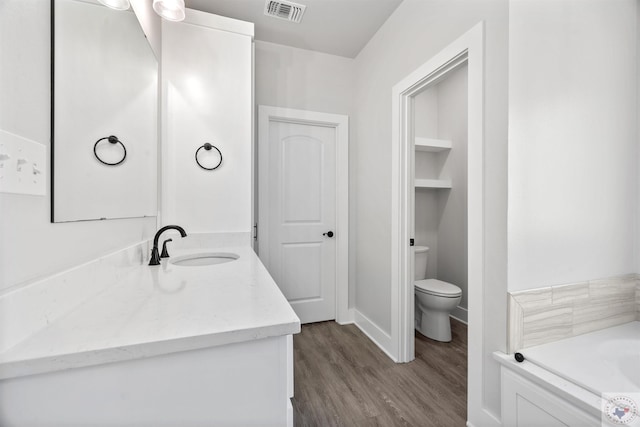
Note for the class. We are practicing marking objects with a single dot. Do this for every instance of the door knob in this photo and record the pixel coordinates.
(328, 234)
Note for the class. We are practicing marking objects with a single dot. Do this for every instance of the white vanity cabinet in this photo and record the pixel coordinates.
(238, 384)
(526, 404)
(158, 346)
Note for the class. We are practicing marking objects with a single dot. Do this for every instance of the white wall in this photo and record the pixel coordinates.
(452, 206)
(572, 141)
(427, 217)
(307, 80)
(415, 32)
(303, 79)
(206, 89)
(425, 109)
(637, 213)
(427, 166)
(30, 246)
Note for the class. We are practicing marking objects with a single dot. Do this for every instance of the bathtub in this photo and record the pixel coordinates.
(606, 361)
(570, 381)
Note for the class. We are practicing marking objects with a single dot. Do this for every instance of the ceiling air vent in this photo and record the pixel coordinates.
(287, 10)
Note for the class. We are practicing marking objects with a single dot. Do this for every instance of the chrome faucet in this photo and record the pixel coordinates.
(155, 254)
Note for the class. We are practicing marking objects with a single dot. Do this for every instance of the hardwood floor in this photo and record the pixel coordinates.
(344, 379)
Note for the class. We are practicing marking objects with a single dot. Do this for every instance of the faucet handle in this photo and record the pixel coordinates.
(165, 253)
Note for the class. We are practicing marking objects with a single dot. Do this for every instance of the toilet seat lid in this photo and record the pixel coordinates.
(438, 288)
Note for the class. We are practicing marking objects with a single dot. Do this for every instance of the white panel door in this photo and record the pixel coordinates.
(302, 216)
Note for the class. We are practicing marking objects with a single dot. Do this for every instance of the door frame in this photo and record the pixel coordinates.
(268, 114)
(466, 49)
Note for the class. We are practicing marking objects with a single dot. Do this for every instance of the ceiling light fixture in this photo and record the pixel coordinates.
(116, 4)
(171, 10)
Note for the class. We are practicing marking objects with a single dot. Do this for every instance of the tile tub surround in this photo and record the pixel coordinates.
(150, 311)
(638, 300)
(543, 315)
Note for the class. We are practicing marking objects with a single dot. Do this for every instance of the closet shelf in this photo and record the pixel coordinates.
(433, 145)
(432, 183)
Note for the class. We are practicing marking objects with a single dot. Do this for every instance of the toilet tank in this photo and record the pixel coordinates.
(420, 265)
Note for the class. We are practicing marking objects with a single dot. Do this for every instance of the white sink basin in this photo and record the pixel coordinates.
(203, 259)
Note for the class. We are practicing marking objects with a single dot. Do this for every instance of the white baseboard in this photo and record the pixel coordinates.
(487, 419)
(347, 319)
(461, 314)
(375, 334)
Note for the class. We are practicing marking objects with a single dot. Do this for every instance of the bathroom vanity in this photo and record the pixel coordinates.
(154, 345)
(114, 341)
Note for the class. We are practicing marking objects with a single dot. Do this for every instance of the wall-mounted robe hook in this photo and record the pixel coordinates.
(113, 140)
(208, 147)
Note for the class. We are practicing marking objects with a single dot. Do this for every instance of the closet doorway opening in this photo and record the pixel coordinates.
(440, 116)
(461, 60)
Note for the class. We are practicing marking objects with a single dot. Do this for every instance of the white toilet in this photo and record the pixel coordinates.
(434, 300)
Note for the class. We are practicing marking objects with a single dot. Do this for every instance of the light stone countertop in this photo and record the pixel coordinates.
(159, 310)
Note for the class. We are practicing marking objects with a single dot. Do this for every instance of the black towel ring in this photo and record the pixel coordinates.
(113, 140)
(208, 147)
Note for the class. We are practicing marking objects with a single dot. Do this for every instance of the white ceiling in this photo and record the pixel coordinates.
(338, 27)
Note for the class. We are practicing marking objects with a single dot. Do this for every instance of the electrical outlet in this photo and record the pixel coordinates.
(22, 165)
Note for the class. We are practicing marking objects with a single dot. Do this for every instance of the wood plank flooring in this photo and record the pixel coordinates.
(344, 379)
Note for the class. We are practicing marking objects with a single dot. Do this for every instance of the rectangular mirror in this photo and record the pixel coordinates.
(104, 114)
